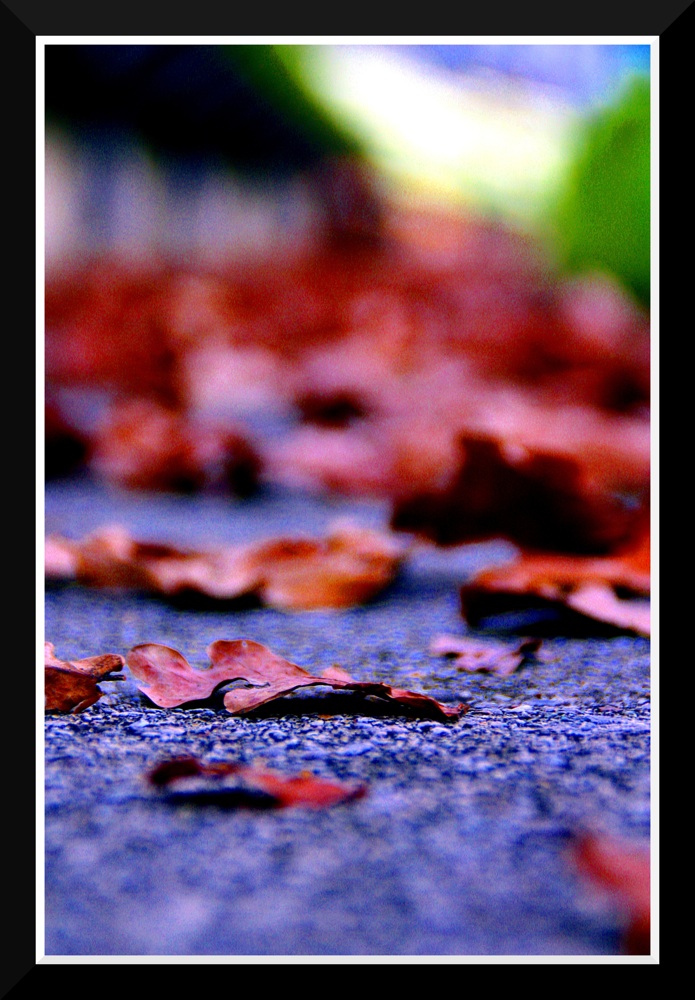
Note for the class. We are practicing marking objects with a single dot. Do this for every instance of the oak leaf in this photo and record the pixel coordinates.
(71, 685)
(483, 655)
(230, 784)
(348, 567)
(167, 679)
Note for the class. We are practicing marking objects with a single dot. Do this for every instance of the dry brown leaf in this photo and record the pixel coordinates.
(348, 567)
(71, 685)
(230, 784)
(166, 677)
(611, 589)
(483, 655)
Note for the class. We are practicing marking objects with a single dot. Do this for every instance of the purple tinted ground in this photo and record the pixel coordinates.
(461, 846)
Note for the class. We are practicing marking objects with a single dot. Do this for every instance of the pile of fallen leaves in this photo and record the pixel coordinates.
(389, 359)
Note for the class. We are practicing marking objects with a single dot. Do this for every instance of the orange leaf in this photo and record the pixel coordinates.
(606, 589)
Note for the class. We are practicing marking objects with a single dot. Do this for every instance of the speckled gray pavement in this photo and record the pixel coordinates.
(461, 845)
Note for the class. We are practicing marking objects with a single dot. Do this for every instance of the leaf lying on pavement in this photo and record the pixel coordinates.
(229, 784)
(71, 685)
(483, 655)
(142, 444)
(168, 680)
(350, 566)
(623, 870)
(610, 590)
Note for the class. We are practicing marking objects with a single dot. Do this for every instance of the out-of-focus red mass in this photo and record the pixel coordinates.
(446, 366)
(144, 444)
(621, 870)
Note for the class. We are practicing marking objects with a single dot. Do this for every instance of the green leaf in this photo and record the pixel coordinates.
(603, 218)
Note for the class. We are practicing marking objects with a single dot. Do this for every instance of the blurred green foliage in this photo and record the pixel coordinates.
(276, 72)
(603, 216)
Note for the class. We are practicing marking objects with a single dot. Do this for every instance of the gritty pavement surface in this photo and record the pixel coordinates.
(461, 846)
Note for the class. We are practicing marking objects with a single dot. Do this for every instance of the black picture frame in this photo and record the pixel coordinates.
(21, 23)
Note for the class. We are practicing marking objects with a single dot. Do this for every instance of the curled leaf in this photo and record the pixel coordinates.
(71, 685)
(348, 567)
(167, 678)
(230, 784)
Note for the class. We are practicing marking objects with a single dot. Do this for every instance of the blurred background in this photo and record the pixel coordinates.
(326, 266)
(171, 148)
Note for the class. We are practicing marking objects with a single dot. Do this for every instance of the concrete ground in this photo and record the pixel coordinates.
(461, 846)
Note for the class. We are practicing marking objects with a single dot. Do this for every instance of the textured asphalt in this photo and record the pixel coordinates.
(461, 846)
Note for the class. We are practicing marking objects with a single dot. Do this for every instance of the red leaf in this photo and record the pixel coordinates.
(535, 498)
(166, 677)
(142, 444)
(594, 588)
(241, 785)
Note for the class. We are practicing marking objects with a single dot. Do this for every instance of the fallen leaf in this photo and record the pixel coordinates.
(348, 567)
(611, 590)
(483, 655)
(71, 685)
(230, 784)
(167, 679)
(600, 602)
(535, 499)
(142, 444)
(624, 871)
